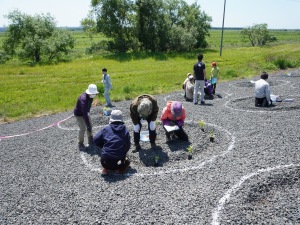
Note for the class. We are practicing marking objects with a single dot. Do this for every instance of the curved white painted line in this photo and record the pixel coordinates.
(226, 198)
(260, 111)
(41, 129)
(201, 165)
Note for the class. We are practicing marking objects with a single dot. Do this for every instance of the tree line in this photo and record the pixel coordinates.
(141, 25)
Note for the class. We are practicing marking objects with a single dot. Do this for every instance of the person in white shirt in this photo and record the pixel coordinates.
(262, 91)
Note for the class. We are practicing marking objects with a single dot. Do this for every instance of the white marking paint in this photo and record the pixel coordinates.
(31, 132)
(226, 198)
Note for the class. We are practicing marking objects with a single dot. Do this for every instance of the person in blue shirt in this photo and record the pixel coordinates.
(107, 86)
(81, 112)
(114, 139)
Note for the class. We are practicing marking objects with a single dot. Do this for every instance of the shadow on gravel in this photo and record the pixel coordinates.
(147, 156)
(92, 150)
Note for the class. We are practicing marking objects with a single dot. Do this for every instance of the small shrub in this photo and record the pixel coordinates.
(282, 64)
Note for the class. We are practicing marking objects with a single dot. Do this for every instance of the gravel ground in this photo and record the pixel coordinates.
(250, 174)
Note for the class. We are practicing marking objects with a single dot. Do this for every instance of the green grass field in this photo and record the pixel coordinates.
(32, 91)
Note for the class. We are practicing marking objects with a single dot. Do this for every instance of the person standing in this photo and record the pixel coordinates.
(144, 107)
(200, 76)
(114, 139)
(174, 114)
(214, 76)
(82, 111)
(107, 86)
(262, 91)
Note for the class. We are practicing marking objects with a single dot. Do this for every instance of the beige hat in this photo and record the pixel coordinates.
(145, 107)
(116, 116)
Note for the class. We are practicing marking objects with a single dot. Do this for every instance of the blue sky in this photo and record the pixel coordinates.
(278, 14)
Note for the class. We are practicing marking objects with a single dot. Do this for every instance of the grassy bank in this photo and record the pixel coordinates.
(30, 91)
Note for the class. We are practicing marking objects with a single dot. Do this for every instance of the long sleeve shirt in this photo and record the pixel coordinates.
(262, 89)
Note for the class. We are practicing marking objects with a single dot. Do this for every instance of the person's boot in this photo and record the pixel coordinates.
(137, 147)
(91, 141)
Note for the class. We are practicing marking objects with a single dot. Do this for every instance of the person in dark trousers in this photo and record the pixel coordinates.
(174, 114)
(200, 76)
(262, 91)
(114, 139)
(81, 112)
(144, 107)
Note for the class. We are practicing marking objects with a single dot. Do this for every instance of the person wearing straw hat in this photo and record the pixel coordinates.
(114, 139)
(81, 113)
(174, 115)
(144, 107)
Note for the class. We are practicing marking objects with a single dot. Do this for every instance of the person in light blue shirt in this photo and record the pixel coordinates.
(107, 86)
(262, 91)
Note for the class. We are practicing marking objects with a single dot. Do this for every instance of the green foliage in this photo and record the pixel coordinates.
(258, 35)
(35, 38)
(150, 25)
(201, 123)
(190, 149)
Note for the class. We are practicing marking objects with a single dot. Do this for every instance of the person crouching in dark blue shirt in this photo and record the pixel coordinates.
(114, 139)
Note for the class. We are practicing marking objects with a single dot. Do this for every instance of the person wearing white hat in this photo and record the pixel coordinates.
(114, 139)
(81, 112)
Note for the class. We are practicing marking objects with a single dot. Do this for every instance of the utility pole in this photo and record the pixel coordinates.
(222, 29)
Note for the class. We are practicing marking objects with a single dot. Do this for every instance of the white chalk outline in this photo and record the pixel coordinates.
(201, 165)
(226, 197)
(31, 132)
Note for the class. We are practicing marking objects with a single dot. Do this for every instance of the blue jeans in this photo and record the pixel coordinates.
(106, 96)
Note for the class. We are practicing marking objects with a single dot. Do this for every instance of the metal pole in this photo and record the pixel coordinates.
(222, 28)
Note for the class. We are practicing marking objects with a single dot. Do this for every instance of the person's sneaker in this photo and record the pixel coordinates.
(104, 172)
(195, 103)
(125, 168)
(137, 148)
(81, 146)
(202, 102)
(153, 145)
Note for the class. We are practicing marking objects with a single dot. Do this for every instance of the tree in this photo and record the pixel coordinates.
(151, 25)
(35, 38)
(258, 35)
(115, 20)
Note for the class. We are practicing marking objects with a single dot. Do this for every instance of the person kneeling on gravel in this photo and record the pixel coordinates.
(114, 139)
(144, 107)
(82, 111)
(173, 116)
(262, 91)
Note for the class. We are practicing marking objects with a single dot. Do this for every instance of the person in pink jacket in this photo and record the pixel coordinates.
(174, 115)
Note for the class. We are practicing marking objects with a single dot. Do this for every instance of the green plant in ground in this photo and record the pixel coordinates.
(201, 123)
(190, 149)
(211, 134)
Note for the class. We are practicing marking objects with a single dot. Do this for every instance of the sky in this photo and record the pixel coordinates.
(278, 14)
